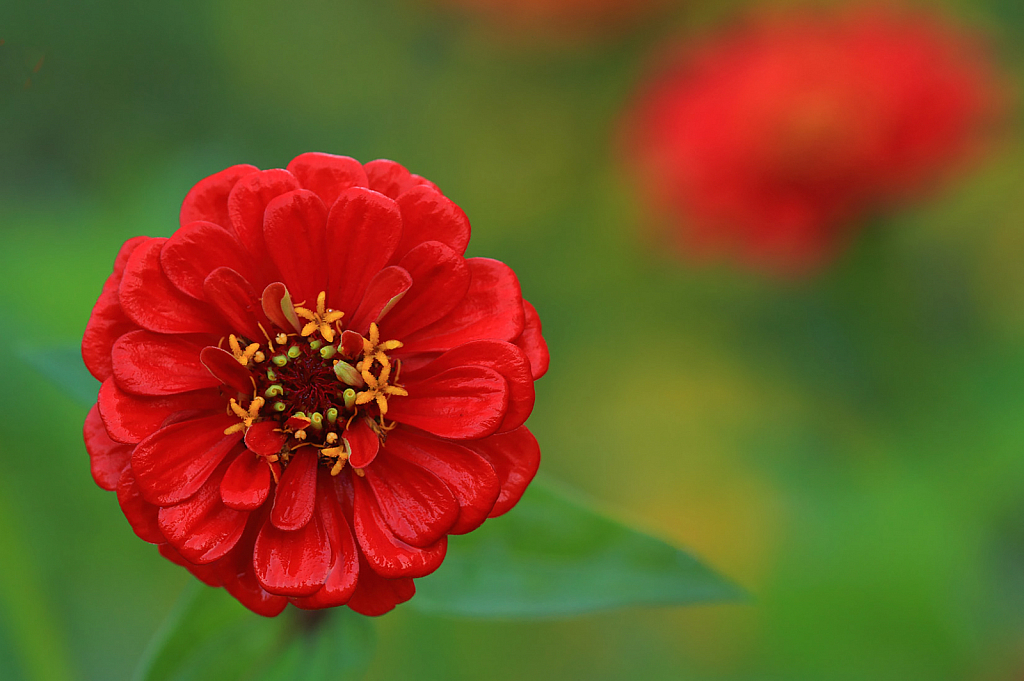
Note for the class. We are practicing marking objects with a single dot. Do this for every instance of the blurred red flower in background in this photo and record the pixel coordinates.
(315, 452)
(767, 143)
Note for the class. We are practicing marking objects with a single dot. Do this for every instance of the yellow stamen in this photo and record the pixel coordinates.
(243, 356)
(247, 416)
(321, 320)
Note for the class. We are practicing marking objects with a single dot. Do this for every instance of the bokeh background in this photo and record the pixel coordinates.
(848, 446)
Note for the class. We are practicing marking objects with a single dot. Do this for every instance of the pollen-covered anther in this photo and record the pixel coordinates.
(375, 350)
(321, 320)
(247, 416)
(338, 454)
(378, 389)
(247, 354)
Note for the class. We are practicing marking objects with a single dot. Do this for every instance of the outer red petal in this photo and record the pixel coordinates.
(428, 215)
(294, 228)
(174, 462)
(418, 508)
(147, 363)
(504, 358)
(363, 229)
(202, 528)
(236, 571)
(532, 342)
(207, 574)
(491, 309)
(131, 418)
(440, 279)
(197, 249)
(460, 403)
(246, 482)
(208, 200)
(388, 555)
(107, 459)
(247, 204)
(231, 294)
(383, 292)
(327, 175)
(392, 179)
(375, 595)
(150, 300)
(296, 495)
(341, 582)
(468, 475)
(141, 514)
(293, 563)
(108, 321)
(515, 457)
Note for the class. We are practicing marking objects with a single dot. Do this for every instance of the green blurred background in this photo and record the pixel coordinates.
(849, 448)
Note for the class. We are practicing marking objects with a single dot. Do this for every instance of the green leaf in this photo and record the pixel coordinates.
(553, 557)
(210, 636)
(63, 366)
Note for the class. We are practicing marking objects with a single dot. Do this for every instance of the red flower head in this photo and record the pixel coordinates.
(308, 387)
(769, 141)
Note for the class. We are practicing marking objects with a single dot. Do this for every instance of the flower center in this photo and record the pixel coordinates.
(315, 383)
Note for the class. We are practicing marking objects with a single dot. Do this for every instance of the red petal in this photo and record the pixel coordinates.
(150, 300)
(293, 563)
(107, 459)
(277, 305)
(389, 556)
(363, 230)
(247, 204)
(108, 321)
(532, 342)
(295, 227)
(467, 474)
(141, 515)
(246, 482)
(174, 462)
(460, 403)
(383, 292)
(265, 438)
(440, 279)
(197, 249)
(341, 581)
(392, 179)
(132, 418)
(208, 200)
(223, 365)
(235, 299)
(515, 456)
(375, 595)
(351, 344)
(146, 363)
(207, 574)
(428, 215)
(296, 495)
(236, 571)
(491, 309)
(202, 528)
(419, 508)
(363, 442)
(505, 358)
(327, 175)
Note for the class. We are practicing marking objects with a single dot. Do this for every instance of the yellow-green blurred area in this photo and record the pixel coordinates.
(849, 448)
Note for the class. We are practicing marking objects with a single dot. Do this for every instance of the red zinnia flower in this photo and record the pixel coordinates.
(308, 387)
(768, 142)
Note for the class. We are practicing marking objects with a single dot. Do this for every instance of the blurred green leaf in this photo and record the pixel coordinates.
(552, 556)
(212, 636)
(63, 366)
